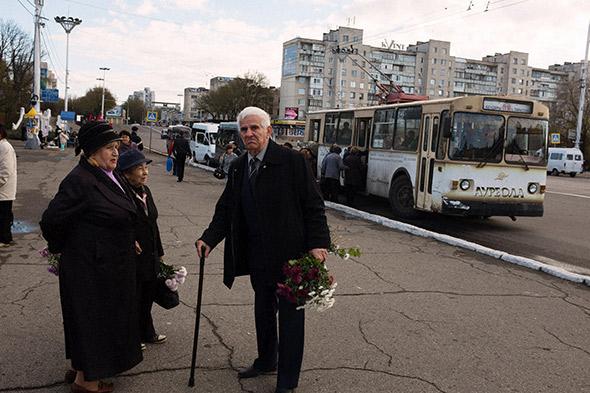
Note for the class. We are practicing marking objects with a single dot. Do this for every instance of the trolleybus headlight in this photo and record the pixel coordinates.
(533, 188)
(465, 184)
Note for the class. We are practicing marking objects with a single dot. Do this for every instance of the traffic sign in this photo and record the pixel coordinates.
(555, 138)
(67, 115)
(49, 95)
(152, 116)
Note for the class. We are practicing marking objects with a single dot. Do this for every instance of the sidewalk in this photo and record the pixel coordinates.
(411, 314)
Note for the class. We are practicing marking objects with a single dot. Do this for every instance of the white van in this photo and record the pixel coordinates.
(567, 160)
(202, 142)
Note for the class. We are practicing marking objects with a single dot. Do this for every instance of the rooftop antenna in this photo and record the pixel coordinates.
(470, 4)
(487, 7)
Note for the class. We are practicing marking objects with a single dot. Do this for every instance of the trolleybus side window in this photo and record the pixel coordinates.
(426, 132)
(384, 122)
(434, 133)
(525, 140)
(330, 128)
(476, 137)
(362, 132)
(344, 133)
(407, 128)
(315, 130)
(445, 122)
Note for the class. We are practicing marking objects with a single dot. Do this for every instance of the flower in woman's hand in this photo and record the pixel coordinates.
(172, 284)
(181, 272)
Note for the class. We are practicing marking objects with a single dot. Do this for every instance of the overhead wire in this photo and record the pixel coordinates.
(26, 9)
(55, 69)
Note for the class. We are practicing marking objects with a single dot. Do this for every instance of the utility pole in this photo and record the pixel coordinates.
(104, 74)
(582, 93)
(68, 23)
(37, 56)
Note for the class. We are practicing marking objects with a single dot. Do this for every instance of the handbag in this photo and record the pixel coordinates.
(169, 164)
(164, 297)
(219, 173)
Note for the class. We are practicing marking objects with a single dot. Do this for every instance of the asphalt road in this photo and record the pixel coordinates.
(558, 238)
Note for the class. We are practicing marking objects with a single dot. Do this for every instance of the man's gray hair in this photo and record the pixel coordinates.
(255, 111)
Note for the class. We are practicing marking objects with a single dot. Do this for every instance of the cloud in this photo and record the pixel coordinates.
(146, 8)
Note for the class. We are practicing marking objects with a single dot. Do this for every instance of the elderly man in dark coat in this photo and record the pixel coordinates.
(91, 223)
(270, 212)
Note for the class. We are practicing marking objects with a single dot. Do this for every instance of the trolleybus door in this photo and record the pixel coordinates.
(425, 165)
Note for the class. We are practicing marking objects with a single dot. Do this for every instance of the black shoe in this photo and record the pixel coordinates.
(253, 372)
(284, 390)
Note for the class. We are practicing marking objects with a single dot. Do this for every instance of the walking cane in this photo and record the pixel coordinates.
(191, 380)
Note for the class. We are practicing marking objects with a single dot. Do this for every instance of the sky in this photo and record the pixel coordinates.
(169, 45)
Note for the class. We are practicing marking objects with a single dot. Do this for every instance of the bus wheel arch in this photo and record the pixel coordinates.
(401, 195)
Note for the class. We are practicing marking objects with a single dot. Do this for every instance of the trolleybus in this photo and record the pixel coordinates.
(471, 156)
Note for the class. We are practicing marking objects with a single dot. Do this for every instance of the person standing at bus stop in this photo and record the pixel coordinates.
(180, 150)
(270, 212)
(332, 166)
(7, 187)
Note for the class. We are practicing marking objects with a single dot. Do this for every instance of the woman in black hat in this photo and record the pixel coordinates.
(91, 222)
(134, 167)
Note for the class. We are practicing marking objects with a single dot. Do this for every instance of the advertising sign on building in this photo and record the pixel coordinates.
(291, 113)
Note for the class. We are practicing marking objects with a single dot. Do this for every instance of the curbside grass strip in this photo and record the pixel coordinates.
(453, 241)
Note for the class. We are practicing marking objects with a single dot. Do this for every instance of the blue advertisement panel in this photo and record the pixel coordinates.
(68, 115)
(49, 95)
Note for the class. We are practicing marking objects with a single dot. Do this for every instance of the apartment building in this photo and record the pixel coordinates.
(147, 96)
(218, 81)
(191, 111)
(339, 71)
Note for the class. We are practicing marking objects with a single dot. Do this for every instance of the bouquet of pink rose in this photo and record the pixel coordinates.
(308, 283)
(172, 276)
(52, 260)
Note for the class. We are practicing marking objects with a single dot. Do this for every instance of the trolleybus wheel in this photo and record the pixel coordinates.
(573, 174)
(555, 172)
(401, 198)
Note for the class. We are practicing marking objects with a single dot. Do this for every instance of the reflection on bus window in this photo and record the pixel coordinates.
(407, 128)
(384, 127)
(315, 129)
(525, 141)
(330, 128)
(476, 137)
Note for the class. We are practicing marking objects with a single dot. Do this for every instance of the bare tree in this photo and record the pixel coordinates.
(16, 70)
(564, 113)
(227, 101)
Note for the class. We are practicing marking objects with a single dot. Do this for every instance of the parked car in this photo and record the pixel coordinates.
(565, 160)
(202, 142)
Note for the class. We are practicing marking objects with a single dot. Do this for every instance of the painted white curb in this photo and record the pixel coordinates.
(453, 241)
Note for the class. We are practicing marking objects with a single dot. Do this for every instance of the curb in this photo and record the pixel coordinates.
(453, 241)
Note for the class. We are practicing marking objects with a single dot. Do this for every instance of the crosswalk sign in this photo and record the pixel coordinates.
(152, 116)
(555, 138)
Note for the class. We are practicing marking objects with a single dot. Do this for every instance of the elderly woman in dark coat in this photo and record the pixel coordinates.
(134, 167)
(91, 223)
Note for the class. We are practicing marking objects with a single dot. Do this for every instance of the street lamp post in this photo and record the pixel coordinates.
(104, 74)
(179, 117)
(68, 23)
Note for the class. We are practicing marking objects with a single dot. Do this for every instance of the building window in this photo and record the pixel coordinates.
(342, 82)
(354, 73)
(522, 62)
(301, 101)
(300, 91)
(432, 82)
(434, 61)
(440, 93)
(501, 70)
(361, 96)
(435, 49)
(515, 61)
(345, 38)
(514, 71)
(352, 94)
(361, 85)
(444, 51)
(352, 84)
(343, 72)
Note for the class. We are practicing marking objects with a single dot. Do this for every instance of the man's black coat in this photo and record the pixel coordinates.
(289, 207)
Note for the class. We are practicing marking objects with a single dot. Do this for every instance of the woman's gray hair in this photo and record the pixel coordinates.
(254, 111)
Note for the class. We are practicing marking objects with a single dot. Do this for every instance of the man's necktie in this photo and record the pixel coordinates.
(253, 169)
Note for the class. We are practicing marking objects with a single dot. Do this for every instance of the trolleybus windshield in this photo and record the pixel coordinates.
(526, 140)
(476, 137)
